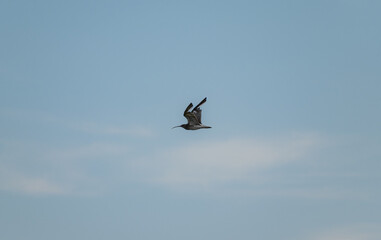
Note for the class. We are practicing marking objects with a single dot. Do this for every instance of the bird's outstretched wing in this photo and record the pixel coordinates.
(187, 109)
(190, 116)
(197, 110)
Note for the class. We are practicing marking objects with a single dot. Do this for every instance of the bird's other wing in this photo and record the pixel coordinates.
(197, 111)
(192, 118)
(187, 109)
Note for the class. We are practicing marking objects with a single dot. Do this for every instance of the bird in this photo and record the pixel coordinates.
(193, 117)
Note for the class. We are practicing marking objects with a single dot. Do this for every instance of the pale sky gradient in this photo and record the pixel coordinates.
(89, 91)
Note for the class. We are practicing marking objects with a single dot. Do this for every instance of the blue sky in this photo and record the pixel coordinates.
(89, 91)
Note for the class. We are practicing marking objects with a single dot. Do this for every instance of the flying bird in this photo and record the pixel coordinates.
(193, 117)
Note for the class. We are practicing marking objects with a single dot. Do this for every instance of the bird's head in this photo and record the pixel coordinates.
(182, 125)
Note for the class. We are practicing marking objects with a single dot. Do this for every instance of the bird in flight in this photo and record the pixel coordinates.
(193, 117)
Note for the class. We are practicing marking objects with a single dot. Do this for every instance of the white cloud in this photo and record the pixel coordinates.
(38, 169)
(33, 167)
(355, 232)
(213, 162)
(93, 168)
(16, 182)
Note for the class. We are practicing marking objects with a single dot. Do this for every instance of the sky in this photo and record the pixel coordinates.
(89, 91)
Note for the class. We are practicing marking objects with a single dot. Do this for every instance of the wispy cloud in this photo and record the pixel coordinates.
(58, 170)
(61, 167)
(38, 169)
(21, 183)
(252, 163)
(364, 231)
(215, 162)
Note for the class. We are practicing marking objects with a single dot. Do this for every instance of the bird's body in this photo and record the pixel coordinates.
(193, 117)
(194, 127)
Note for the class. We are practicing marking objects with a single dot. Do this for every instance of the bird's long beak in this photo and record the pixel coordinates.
(176, 126)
